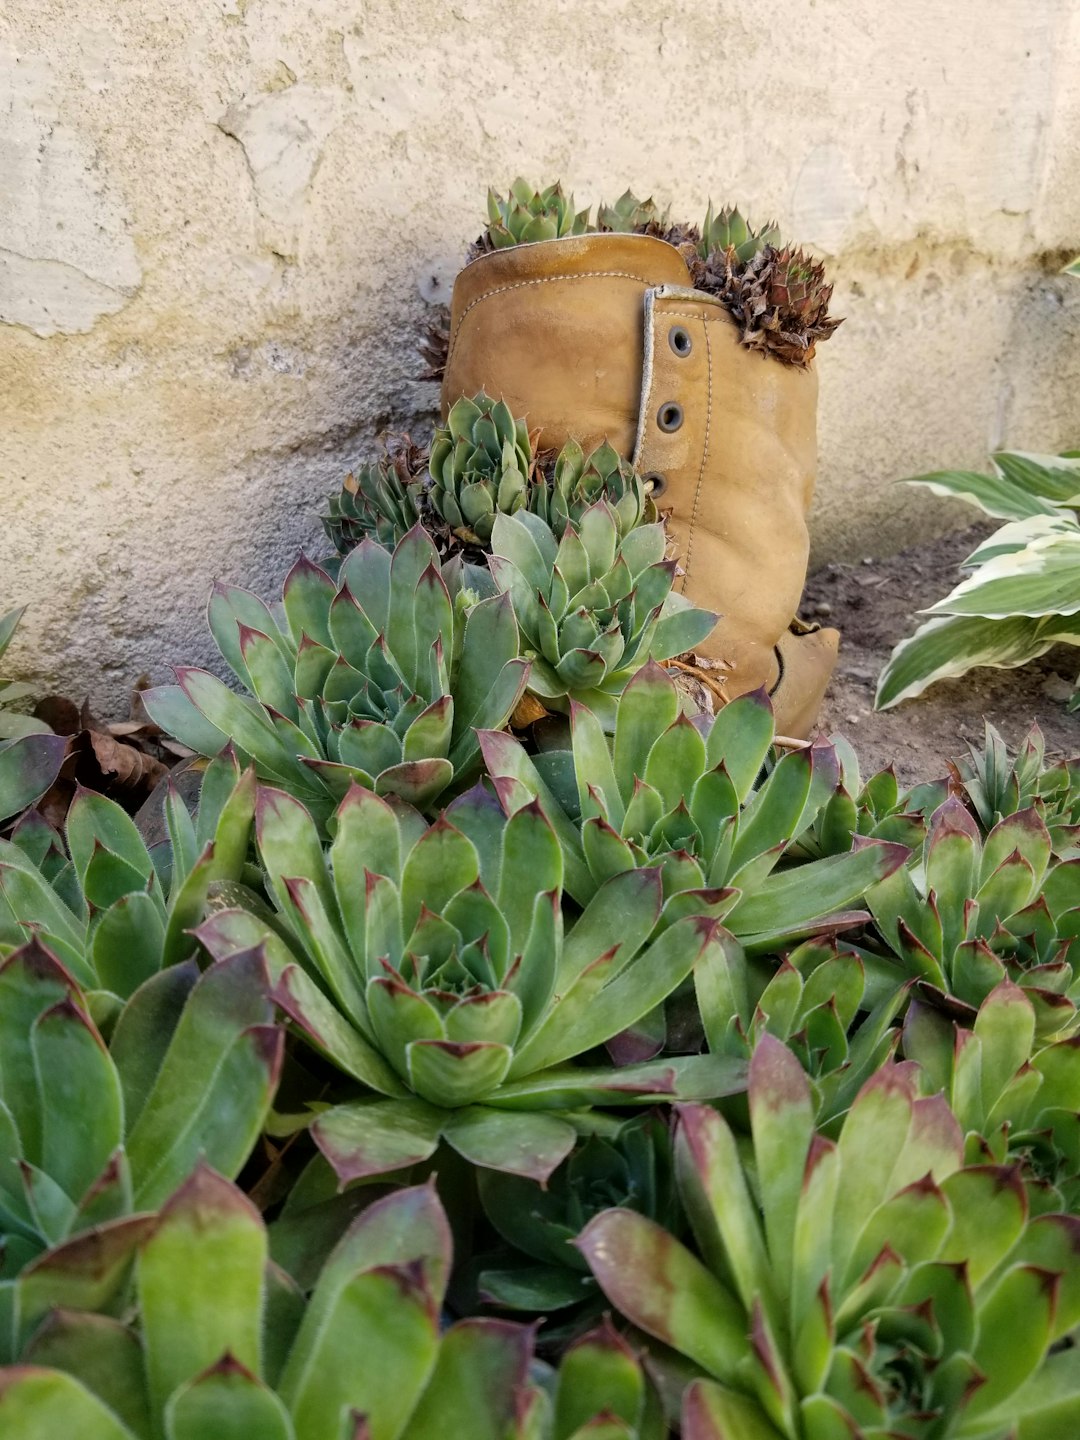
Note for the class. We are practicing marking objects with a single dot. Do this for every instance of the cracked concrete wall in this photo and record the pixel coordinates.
(223, 222)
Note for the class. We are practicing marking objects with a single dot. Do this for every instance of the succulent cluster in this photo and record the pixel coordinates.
(527, 215)
(748, 1090)
(341, 979)
(778, 298)
(775, 292)
(482, 464)
(867, 1286)
(379, 679)
(380, 499)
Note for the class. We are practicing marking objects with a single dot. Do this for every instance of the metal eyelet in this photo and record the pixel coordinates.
(669, 417)
(679, 340)
(655, 484)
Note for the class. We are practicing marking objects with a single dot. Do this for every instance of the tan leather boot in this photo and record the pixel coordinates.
(730, 439)
(602, 337)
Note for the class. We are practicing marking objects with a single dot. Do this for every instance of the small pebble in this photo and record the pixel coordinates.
(852, 719)
(823, 608)
(868, 560)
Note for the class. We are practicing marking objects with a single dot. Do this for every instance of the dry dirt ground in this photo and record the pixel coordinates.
(874, 604)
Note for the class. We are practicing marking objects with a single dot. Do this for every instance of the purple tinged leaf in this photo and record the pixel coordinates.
(373, 1137)
(200, 1282)
(39, 1404)
(782, 1123)
(517, 1142)
(656, 1282)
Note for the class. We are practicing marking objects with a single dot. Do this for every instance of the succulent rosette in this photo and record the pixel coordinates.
(527, 215)
(435, 965)
(379, 679)
(1016, 1099)
(873, 1286)
(593, 605)
(698, 806)
(977, 911)
(188, 1330)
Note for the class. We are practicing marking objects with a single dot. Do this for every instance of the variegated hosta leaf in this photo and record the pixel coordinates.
(1024, 592)
(1042, 578)
(950, 645)
(862, 1286)
(455, 994)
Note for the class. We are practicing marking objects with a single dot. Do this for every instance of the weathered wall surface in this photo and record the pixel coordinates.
(223, 221)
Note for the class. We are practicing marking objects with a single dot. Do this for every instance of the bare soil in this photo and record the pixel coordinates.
(874, 604)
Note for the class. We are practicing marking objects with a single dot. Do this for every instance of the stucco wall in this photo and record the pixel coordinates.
(222, 223)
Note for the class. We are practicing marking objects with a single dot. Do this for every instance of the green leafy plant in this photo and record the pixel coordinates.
(629, 215)
(379, 500)
(973, 913)
(817, 1002)
(30, 755)
(622, 1162)
(431, 965)
(208, 1339)
(89, 1133)
(726, 232)
(481, 465)
(869, 1286)
(1022, 593)
(380, 679)
(1016, 1100)
(527, 215)
(661, 794)
(998, 784)
(594, 605)
(117, 912)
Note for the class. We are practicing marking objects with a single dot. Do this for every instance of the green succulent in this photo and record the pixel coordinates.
(90, 1133)
(998, 784)
(430, 964)
(578, 481)
(192, 1333)
(379, 500)
(817, 1002)
(379, 679)
(117, 912)
(1016, 1100)
(629, 214)
(868, 1287)
(727, 230)
(527, 215)
(30, 755)
(975, 912)
(627, 1163)
(661, 793)
(878, 809)
(481, 465)
(593, 606)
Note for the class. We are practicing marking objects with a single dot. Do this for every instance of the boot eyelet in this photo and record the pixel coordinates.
(669, 417)
(679, 340)
(655, 484)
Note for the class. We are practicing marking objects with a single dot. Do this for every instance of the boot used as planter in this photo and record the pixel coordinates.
(603, 336)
